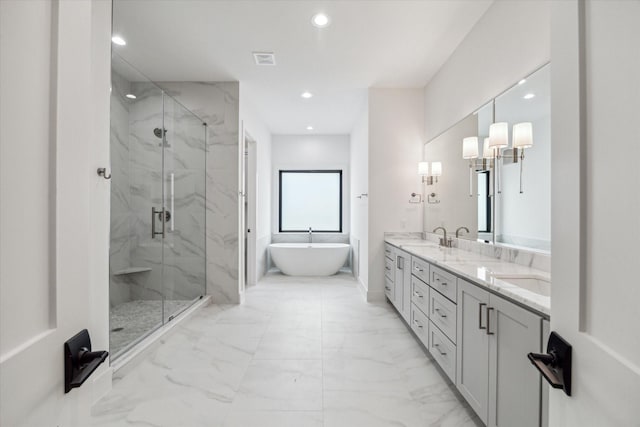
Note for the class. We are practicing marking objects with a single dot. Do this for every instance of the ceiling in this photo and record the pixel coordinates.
(385, 44)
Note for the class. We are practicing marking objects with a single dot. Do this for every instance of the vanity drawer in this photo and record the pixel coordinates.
(444, 282)
(443, 314)
(443, 350)
(420, 324)
(420, 269)
(389, 289)
(389, 268)
(388, 251)
(420, 294)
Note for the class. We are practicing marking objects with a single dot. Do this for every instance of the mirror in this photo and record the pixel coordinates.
(505, 200)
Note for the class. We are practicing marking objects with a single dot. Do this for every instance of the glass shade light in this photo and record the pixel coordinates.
(499, 135)
(522, 135)
(470, 147)
(436, 169)
(423, 168)
(487, 152)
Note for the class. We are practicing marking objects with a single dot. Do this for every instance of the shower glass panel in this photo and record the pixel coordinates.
(184, 188)
(157, 249)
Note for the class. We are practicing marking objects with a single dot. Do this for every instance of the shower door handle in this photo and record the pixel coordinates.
(155, 212)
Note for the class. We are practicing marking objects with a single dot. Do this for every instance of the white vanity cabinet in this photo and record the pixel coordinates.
(402, 284)
(389, 272)
(493, 372)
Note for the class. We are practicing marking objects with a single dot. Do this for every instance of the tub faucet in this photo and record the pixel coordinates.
(310, 235)
(461, 228)
(447, 243)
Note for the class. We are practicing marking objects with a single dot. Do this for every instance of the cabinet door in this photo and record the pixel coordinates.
(472, 377)
(514, 388)
(403, 285)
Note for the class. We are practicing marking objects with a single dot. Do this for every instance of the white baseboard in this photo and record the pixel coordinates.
(362, 288)
(375, 296)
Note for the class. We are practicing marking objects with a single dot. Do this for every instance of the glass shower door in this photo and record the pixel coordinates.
(135, 256)
(184, 261)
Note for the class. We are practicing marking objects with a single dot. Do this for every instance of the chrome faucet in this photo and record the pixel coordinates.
(461, 228)
(447, 243)
(310, 235)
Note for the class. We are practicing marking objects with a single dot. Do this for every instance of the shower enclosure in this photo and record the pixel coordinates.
(157, 253)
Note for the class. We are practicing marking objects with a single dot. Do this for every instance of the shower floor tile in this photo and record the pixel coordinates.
(131, 320)
(303, 352)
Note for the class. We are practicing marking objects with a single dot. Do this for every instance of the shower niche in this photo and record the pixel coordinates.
(157, 259)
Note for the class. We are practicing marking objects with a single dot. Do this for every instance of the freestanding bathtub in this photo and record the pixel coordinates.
(309, 259)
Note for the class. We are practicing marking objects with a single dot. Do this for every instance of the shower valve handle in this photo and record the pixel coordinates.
(161, 215)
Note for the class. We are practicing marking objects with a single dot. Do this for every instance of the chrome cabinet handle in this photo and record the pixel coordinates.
(489, 309)
(480, 316)
(386, 267)
(417, 323)
(387, 288)
(418, 269)
(442, 353)
(400, 262)
(437, 310)
(416, 294)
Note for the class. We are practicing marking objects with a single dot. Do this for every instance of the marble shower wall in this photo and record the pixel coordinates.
(202, 237)
(217, 103)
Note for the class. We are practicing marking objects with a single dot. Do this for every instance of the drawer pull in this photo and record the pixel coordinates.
(418, 269)
(387, 268)
(416, 294)
(489, 309)
(387, 288)
(480, 316)
(441, 314)
(441, 282)
(417, 323)
(442, 353)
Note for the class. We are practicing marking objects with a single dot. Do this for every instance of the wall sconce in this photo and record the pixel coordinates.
(436, 171)
(522, 138)
(470, 152)
(498, 139)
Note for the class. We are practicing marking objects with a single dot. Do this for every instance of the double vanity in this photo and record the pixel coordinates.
(478, 316)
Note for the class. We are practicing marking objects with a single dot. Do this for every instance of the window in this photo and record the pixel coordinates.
(311, 198)
(484, 202)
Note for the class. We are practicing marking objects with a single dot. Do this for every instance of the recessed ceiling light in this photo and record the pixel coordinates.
(306, 95)
(130, 96)
(118, 40)
(309, 127)
(320, 20)
(529, 96)
(523, 81)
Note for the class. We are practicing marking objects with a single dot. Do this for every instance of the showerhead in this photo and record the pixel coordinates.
(158, 132)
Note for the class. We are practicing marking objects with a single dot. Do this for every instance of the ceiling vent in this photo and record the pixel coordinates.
(264, 58)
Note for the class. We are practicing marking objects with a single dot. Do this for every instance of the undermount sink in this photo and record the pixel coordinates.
(536, 284)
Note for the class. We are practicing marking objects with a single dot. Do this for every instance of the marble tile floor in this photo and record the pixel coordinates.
(133, 319)
(299, 352)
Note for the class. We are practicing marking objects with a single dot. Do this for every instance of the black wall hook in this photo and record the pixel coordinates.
(79, 361)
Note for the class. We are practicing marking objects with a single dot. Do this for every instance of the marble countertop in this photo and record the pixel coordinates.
(480, 269)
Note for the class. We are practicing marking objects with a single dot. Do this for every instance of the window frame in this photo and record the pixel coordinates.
(281, 171)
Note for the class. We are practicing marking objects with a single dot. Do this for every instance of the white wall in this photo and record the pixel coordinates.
(396, 136)
(311, 152)
(253, 124)
(359, 165)
(511, 40)
(55, 222)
